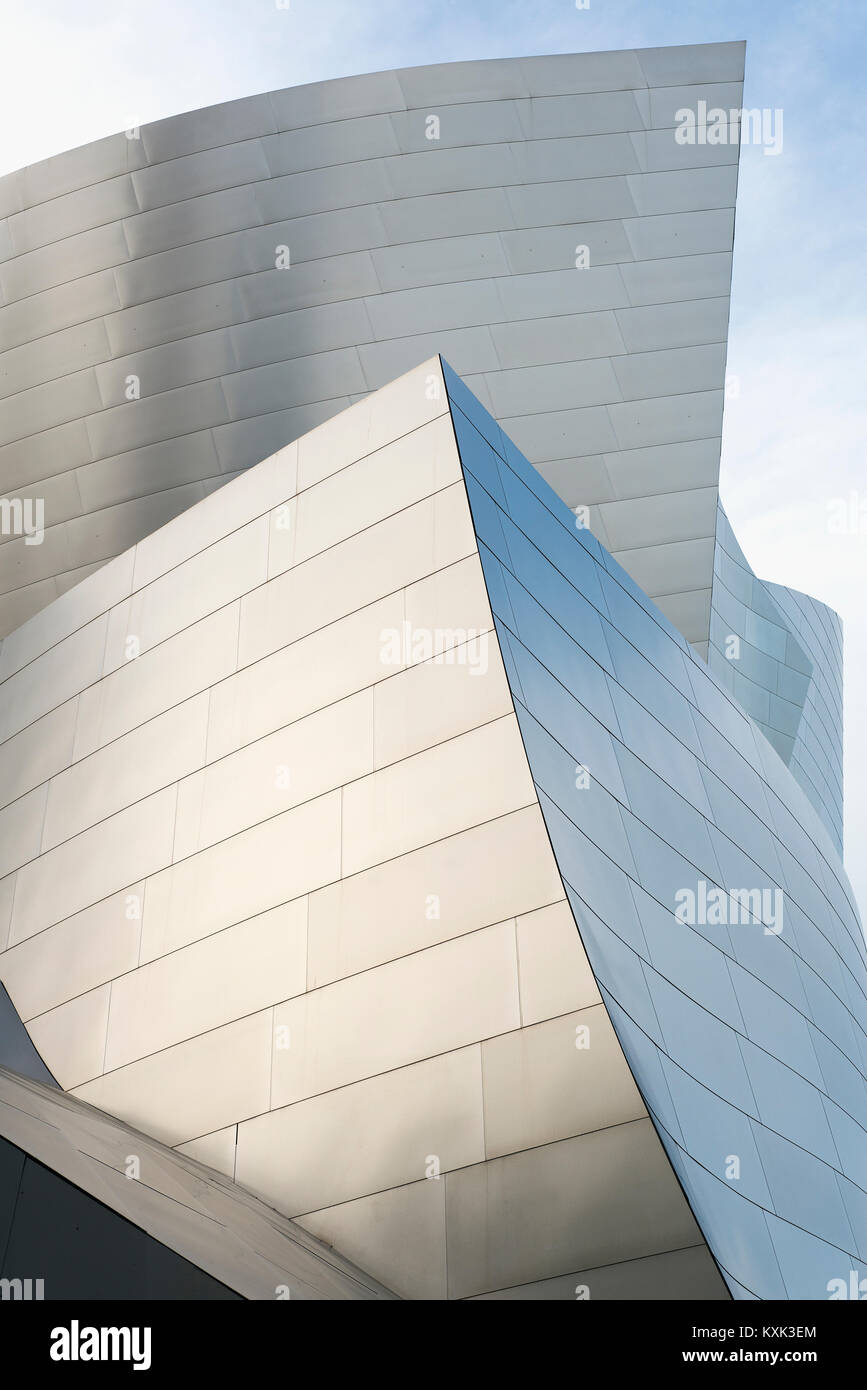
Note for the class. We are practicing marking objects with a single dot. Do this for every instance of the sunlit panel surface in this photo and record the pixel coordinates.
(181, 300)
(710, 898)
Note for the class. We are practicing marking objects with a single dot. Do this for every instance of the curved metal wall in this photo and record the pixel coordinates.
(97, 1210)
(150, 348)
(276, 888)
(171, 906)
(787, 671)
(746, 1030)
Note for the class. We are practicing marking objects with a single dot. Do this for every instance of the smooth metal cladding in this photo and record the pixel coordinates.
(178, 303)
(99, 1211)
(181, 300)
(275, 879)
(745, 1030)
(785, 668)
(372, 964)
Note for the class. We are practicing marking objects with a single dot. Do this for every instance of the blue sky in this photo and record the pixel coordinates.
(794, 437)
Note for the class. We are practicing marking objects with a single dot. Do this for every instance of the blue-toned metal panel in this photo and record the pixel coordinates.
(786, 669)
(709, 895)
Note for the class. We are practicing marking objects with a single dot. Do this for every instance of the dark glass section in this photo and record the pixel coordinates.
(81, 1249)
(16, 1048)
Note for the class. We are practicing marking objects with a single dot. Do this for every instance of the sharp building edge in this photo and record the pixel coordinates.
(180, 301)
(387, 851)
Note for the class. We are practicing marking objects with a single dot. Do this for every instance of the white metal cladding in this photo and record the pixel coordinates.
(281, 895)
(192, 1210)
(153, 258)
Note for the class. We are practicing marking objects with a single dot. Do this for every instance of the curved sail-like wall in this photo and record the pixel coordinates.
(712, 903)
(785, 667)
(182, 300)
(284, 897)
(93, 1209)
(331, 768)
(367, 831)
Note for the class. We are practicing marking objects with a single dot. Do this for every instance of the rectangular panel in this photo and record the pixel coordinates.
(79, 168)
(431, 309)
(446, 260)
(400, 1233)
(469, 349)
(151, 418)
(176, 316)
(301, 678)
(72, 1037)
(560, 1078)
(129, 769)
(333, 142)
(426, 1003)
(55, 403)
(385, 482)
(167, 367)
(258, 869)
(460, 689)
(338, 100)
(72, 212)
(383, 558)
(582, 1202)
(173, 180)
(206, 582)
(170, 673)
(172, 1096)
(177, 224)
(281, 385)
(318, 329)
(463, 782)
(52, 678)
(397, 1121)
(53, 355)
(434, 893)
(76, 955)
(81, 255)
(568, 337)
(282, 770)
(554, 972)
(101, 861)
(228, 976)
(213, 125)
(21, 830)
(404, 405)
(37, 752)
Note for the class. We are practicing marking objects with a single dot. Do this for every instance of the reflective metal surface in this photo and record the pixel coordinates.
(743, 1017)
(780, 653)
(284, 899)
(99, 1211)
(181, 300)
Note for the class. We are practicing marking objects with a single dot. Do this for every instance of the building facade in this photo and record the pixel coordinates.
(378, 848)
(183, 300)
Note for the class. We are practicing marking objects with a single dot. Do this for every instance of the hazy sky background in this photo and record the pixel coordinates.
(794, 438)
